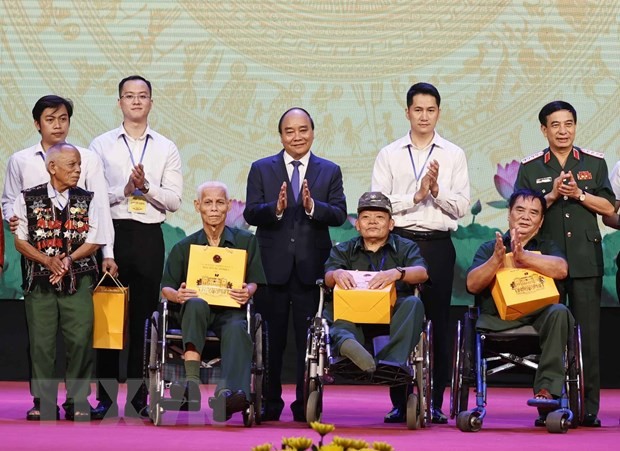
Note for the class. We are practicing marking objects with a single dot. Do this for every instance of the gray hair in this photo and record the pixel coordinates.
(54, 152)
(211, 184)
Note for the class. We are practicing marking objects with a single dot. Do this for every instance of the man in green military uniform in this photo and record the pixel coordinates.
(577, 189)
(396, 260)
(229, 323)
(554, 323)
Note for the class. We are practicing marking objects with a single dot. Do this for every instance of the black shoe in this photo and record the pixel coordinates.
(105, 409)
(541, 421)
(438, 417)
(591, 421)
(270, 415)
(34, 414)
(297, 407)
(396, 415)
(72, 414)
(225, 403)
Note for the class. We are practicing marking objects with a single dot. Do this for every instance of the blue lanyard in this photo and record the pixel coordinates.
(372, 265)
(146, 141)
(415, 172)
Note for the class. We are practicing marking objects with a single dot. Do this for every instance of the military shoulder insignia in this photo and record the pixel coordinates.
(593, 153)
(532, 157)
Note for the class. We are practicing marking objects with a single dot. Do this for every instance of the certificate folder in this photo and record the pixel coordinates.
(213, 271)
(363, 305)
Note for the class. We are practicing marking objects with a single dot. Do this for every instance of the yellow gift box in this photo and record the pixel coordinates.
(110, 314)
(362, 305)
(213, 271)
(518, 292)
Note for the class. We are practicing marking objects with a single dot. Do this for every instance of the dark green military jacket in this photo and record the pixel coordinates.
(567, 222)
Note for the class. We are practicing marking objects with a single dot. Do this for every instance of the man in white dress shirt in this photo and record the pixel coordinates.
(143, 171)
(426, 178)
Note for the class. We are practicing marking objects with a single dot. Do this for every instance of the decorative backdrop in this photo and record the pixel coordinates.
(224, 71)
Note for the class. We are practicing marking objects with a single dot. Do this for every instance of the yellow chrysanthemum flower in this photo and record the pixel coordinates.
(321, 428)
(331, 448)
(359, 444)
(382, 446)
(342, 441)
(263, 447)
(298, 443)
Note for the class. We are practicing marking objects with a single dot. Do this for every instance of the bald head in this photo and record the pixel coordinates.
(63, 162)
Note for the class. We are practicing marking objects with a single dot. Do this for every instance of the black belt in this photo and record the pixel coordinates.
(416, 235)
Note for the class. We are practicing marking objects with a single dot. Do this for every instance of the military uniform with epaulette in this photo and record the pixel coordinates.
(575, 229)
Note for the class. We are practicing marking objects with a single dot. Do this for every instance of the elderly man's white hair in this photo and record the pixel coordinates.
(213, 184)
(54, 152)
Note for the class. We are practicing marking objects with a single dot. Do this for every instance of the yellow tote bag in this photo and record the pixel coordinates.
(110, 305)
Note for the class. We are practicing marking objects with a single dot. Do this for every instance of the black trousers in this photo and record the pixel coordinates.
(275, 302)
(139, 253)
(438, 251)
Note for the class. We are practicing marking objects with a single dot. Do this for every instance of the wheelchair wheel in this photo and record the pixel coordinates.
(557, 422)
(459, 392)
(413, 416)
(249, 416)
(468, 421)
(311, 384)
(154, 370)
(314, 406)
(258, 369)
(576, 395)
(426, 398)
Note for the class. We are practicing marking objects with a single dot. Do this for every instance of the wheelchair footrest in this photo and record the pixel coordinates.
(347, 369)
(390, 373)
(545, 404)
(180, 405)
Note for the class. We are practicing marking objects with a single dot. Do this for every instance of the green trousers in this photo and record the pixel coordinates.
(46, 312)
(405, 329)
(584, 301)
(236, 347)
(554, 325)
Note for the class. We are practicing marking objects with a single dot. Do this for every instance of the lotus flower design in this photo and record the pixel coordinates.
(505, 178)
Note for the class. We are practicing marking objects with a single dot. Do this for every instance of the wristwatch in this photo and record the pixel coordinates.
(402, 272)
(582, 196)
(146, 187)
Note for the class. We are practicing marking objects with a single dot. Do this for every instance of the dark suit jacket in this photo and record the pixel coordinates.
(295, 238)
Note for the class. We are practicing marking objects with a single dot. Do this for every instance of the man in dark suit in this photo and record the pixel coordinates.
(292, 198)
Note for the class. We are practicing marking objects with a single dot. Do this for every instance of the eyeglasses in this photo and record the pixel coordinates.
(131, 97)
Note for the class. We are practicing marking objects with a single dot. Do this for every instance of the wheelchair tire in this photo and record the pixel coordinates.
(413, 416)
(557, 422)
(249, 416)
(426, 398)
(468, 421)
(259, 369)
(154, 370)
(314, 407)
(576, 393)
(461, 367)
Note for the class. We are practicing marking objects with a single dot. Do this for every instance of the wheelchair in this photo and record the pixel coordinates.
(478, 355)
(164, 344)
(321, 368)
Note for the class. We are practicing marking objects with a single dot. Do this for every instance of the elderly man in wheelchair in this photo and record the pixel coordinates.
(395, 259)
(229, 323)
(554, 323)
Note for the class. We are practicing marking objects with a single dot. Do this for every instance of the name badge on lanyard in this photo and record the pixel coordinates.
(137, 202)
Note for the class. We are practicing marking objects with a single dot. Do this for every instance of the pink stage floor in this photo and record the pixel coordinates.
(356, 411)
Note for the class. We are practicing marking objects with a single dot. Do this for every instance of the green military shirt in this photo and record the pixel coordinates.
(484, 299)
(397, 251)
(175, 272)
(567, 222)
